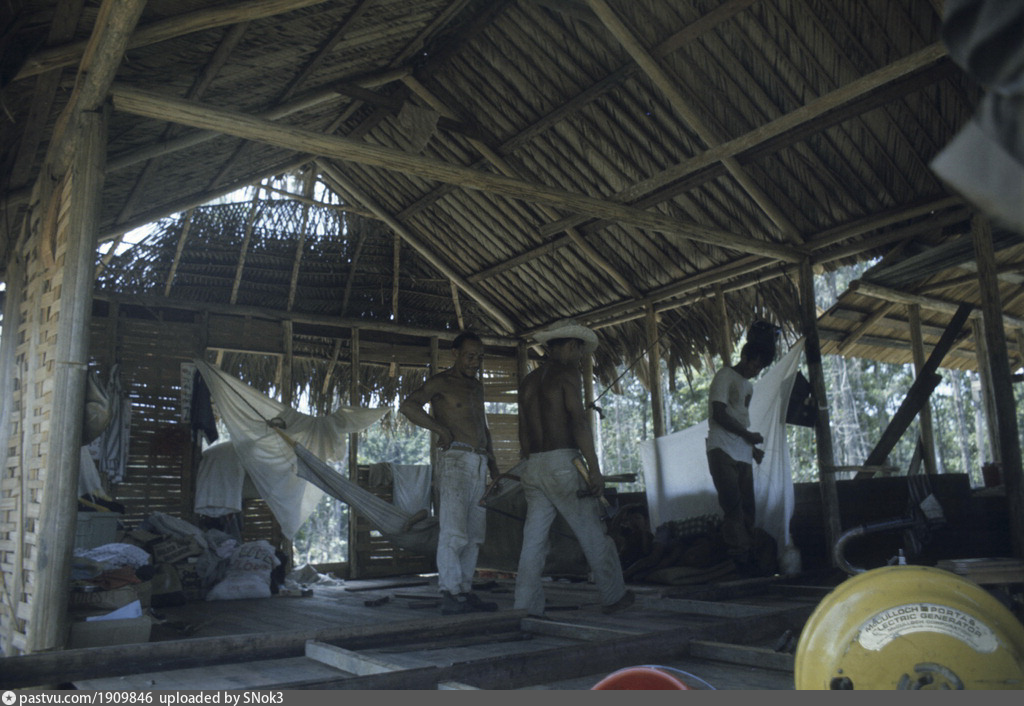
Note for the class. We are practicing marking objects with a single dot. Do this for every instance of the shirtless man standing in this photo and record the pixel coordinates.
(456, 398)
(553, 435)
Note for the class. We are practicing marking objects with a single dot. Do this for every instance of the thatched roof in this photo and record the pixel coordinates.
(539, 159)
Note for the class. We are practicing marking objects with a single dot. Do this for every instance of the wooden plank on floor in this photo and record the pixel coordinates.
(347, 660)
(119, 660)
(706, 608)
(742, 654)
(572, 631)
(249, 675)
(569, 661)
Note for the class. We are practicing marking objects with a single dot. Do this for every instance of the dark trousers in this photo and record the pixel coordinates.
(734, 482)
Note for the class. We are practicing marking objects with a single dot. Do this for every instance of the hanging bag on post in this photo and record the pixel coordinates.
(97, 412)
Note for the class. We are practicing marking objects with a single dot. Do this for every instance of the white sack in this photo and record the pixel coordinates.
(248, 576)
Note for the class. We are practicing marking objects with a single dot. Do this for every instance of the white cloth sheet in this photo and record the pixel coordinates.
(266, 456)
(676, 474)
(219, 481)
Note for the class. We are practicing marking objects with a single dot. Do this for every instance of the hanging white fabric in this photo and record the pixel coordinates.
(268, 459)
(679, 484)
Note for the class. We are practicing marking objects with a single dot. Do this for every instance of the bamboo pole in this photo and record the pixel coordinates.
(1002, 385)
(654, 374)
(186, 226)
(925, 415)
(725, 327)
(823, 424)
(250, 221)
(353, 456)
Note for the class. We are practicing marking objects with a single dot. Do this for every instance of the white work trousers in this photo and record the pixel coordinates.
(461, 481)
(550, 483)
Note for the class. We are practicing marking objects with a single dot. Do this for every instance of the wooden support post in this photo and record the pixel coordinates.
(725, 327)
(1002, 386)
(654, 373)
(588, 398)
(985, 400)
(925, 415)
(12, 505)
(435, 368)
(55, 528)
(919, 391)
(287, 363)
(822, 424)
(353, 454)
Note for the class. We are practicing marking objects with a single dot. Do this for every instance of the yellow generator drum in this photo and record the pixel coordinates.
(910, 627)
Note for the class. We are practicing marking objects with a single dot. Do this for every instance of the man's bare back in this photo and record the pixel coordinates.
(545, 418)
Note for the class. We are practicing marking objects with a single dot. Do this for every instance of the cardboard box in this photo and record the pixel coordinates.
(171, 551)
(191, 583)
(94, 529)
(101, 633)
(113, 598)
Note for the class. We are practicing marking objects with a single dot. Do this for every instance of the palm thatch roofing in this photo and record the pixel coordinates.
(501, 164)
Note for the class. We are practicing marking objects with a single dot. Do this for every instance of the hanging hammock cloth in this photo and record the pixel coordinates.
(395, 524)
(253, 421)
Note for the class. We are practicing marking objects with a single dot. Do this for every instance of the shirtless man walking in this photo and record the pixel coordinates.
(553, 434)
(456, 398)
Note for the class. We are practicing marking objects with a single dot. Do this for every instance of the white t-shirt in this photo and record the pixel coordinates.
(735, 391)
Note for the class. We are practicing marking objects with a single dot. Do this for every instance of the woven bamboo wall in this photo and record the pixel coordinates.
(150, 348)
(29, 403)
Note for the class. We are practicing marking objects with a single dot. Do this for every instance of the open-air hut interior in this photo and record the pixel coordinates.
(664, 172)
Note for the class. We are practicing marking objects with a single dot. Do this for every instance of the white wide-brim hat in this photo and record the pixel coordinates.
(569, 329)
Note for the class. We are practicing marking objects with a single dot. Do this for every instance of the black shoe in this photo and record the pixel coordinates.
(625, 602)
(453, 605)
(473, 601)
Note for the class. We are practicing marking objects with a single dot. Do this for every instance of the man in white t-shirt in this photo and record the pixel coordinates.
(732, 450)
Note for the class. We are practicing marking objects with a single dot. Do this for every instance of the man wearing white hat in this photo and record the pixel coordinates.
(554, 435)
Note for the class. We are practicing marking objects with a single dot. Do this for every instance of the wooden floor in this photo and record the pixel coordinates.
(389, 634)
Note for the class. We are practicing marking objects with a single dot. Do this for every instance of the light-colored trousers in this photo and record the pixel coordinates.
(550, 482)
(461, 481)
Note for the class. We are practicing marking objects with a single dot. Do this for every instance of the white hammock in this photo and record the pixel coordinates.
(267, 457)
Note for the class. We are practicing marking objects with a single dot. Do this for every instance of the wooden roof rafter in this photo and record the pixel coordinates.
(148, 104)
(667, 85)
(812, 117)
(491, 154)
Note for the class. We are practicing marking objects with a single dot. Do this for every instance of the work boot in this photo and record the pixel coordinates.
(625, 602)
(474, 603)
(453, 605)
